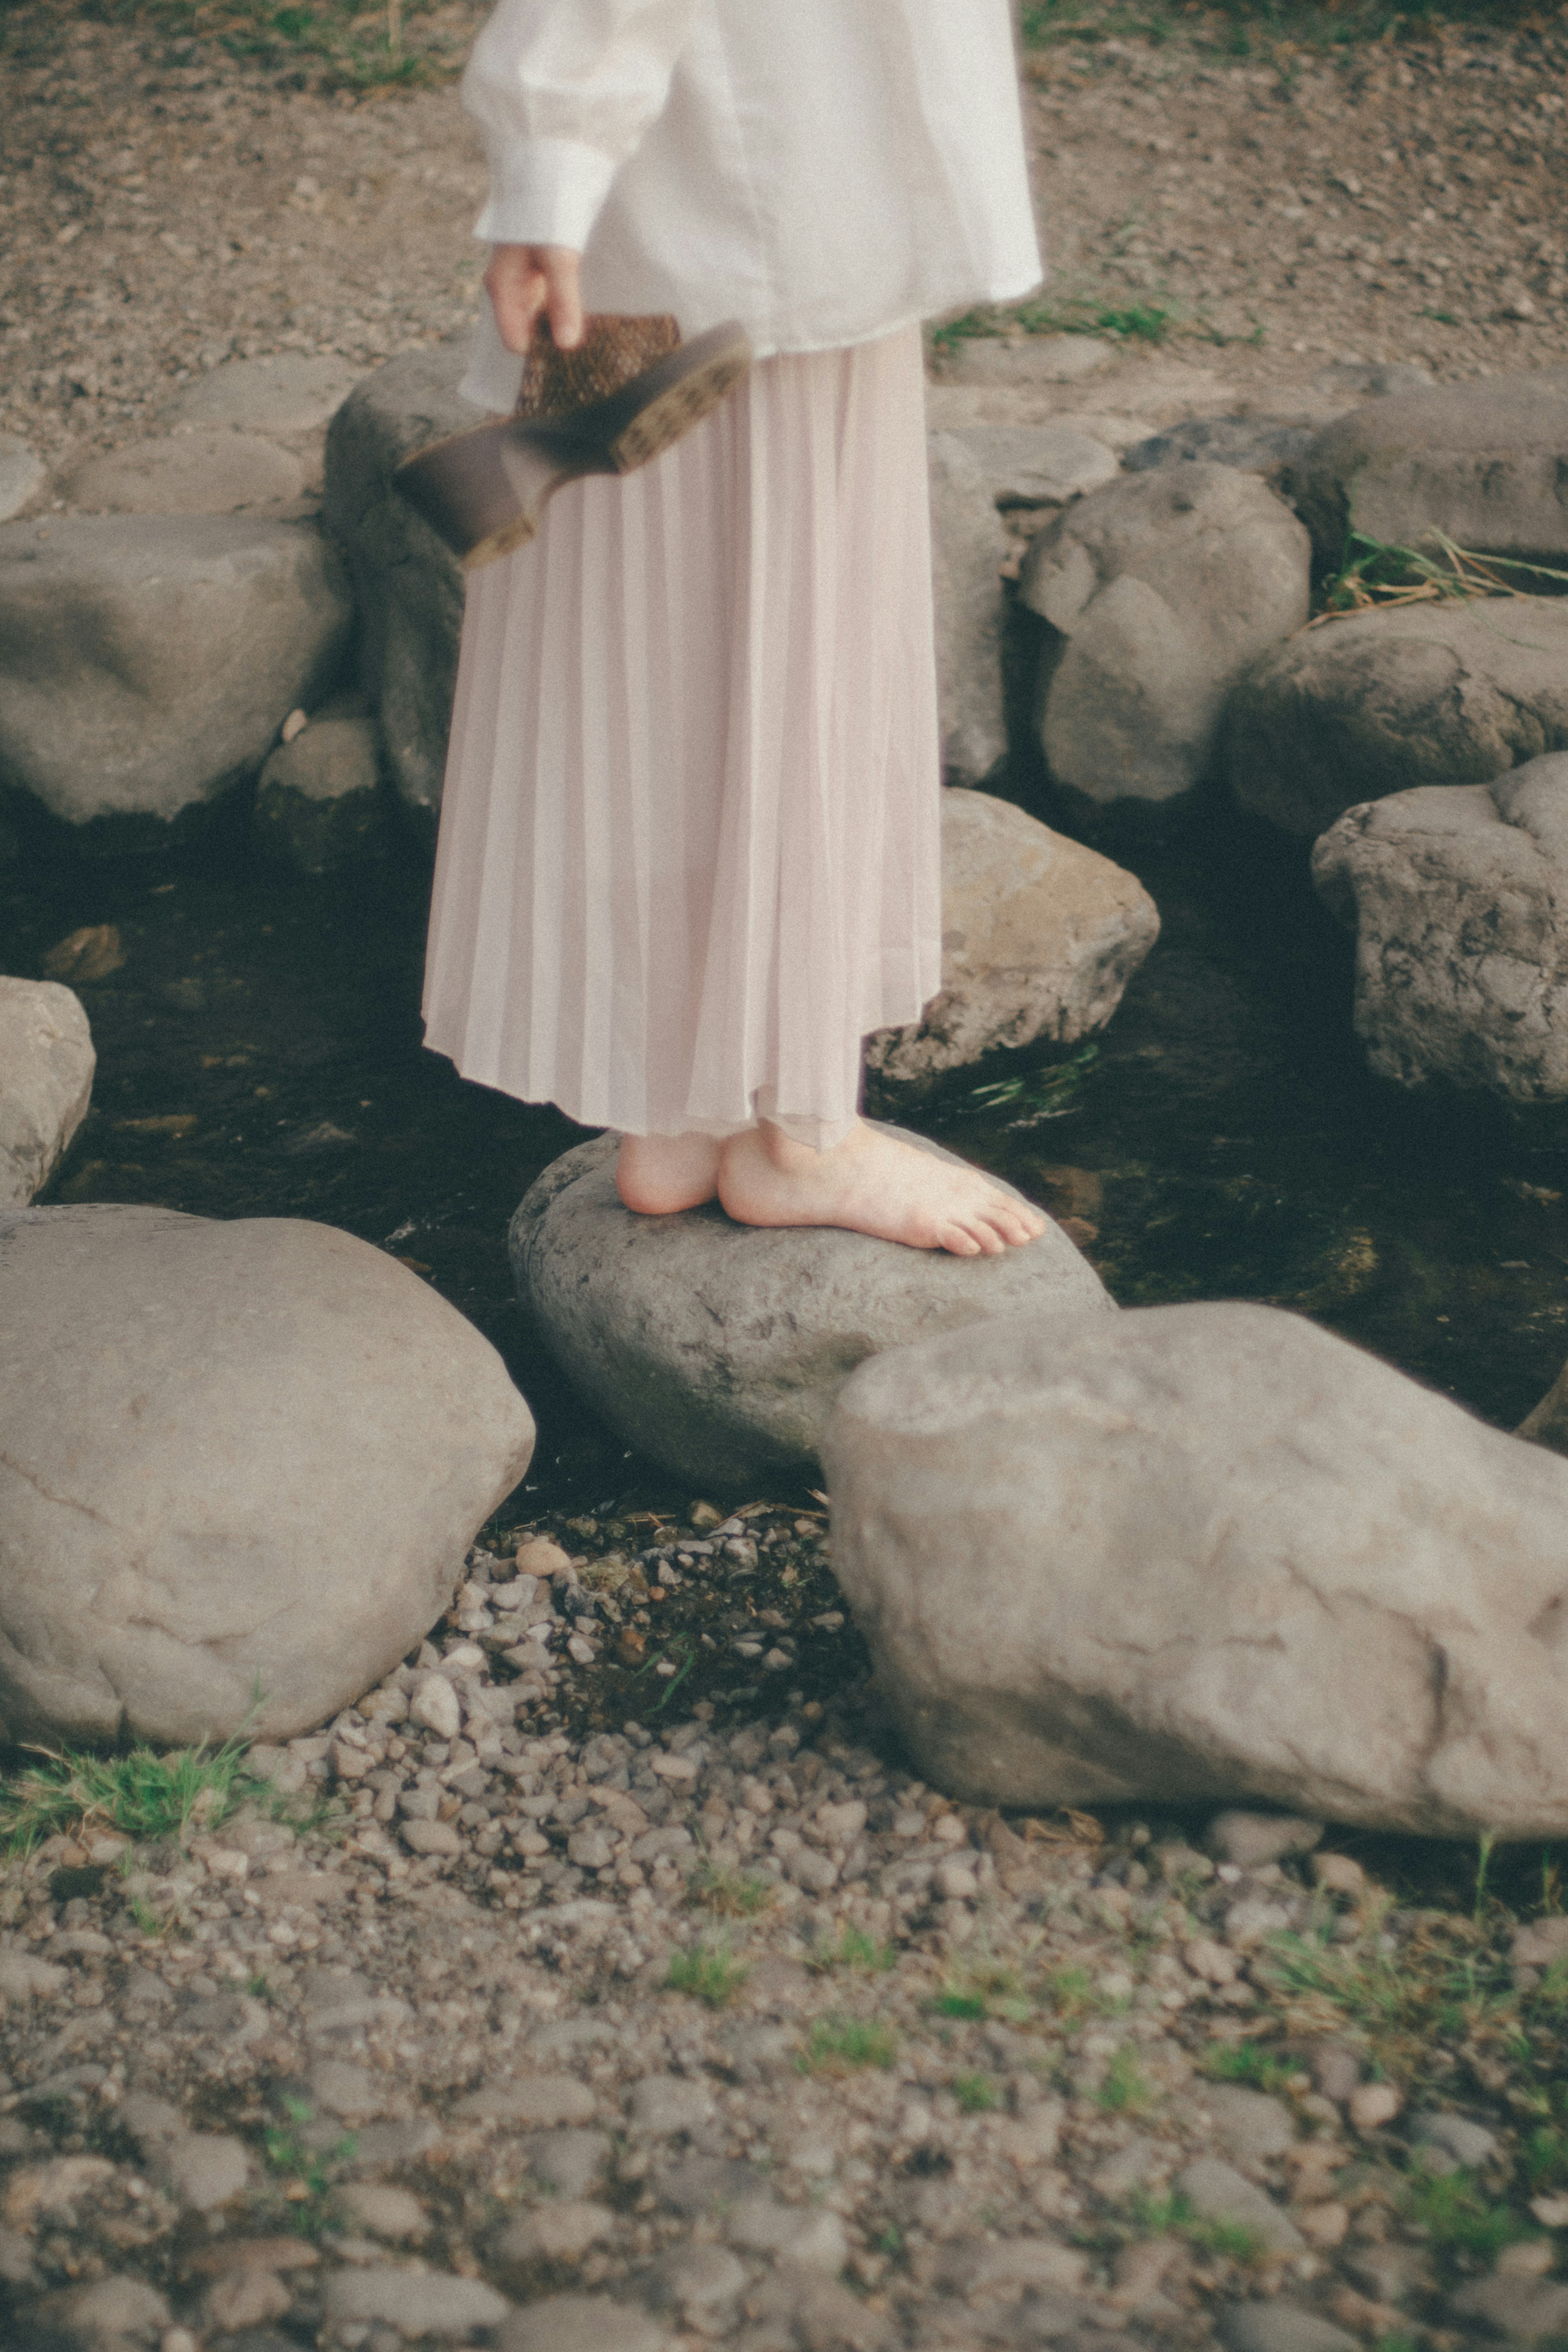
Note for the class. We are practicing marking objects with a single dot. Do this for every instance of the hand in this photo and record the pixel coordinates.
(524, 279)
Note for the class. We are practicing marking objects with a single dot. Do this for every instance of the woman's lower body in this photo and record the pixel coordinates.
(689, 848)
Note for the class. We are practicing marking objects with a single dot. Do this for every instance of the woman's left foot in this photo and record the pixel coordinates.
(659, 1174)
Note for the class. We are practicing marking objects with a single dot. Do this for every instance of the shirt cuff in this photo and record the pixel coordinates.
(545, 191)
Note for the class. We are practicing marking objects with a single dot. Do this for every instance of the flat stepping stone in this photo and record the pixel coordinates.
(289, 393)
(718, 1349)
(198, 473)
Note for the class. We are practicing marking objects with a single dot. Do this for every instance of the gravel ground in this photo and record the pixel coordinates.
(724, 2028)
(167, 205)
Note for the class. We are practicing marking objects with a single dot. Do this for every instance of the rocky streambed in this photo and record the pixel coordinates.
(606, 1974)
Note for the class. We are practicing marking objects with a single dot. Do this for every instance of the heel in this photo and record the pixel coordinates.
(673, 412)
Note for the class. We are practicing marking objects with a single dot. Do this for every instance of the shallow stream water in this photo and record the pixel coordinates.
(259, 1054)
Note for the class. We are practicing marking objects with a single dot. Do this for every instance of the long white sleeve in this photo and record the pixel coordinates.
(562, 91)
(824, 170)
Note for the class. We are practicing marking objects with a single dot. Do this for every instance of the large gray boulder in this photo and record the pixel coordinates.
(1040, 937)
(1486, 463)
(239, 1468)
(718, 1349)
(409, 584)
(1380, 702)
(1458, 900)
(147, 663)
(968, 547)
(47, 1063)
(1205, 1552)
(1159, 590)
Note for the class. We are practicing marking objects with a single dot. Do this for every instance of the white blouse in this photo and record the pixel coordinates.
(823, 169)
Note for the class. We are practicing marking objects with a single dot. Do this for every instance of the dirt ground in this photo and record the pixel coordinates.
(164, 205)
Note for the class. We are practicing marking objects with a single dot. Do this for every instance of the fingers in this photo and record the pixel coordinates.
(516, 285)
(563, 300)
(526, 280)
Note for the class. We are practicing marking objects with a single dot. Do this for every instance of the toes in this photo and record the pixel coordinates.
(1005, 1219)
(958, 1241)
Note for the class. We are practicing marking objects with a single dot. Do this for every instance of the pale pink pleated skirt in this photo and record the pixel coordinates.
(689, 848)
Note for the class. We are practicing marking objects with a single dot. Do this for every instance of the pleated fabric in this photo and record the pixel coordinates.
(689, 849)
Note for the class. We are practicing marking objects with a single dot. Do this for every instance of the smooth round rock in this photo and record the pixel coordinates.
(416, 2303)
(718, 1349)
(1458, 899)
(1485, 462)
(1159, 590)
(1040, 937)
(1385, 702)
(148, 661)
(290, 392)
(1207, 1550)
(1279, 2327)
(968, 547)
(241, 1465)
(47, 1064)
(187, 474)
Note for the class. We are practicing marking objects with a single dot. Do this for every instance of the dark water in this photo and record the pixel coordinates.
(259, 1054)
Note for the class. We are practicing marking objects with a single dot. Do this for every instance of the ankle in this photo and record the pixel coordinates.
(792, 1158)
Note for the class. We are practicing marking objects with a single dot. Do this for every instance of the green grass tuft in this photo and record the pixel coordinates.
(838, 2045)
(728, 1894)
(1173, 2217)
(709, 1972)
(1277, 32)
(1249, 2061)
(975, 2093)
(342, 44)
(1460, 2217)
(306, 2172)
(857, 1951)
(144, 1796)
(986, 1988)
(1435, 571)
(1127, 2089)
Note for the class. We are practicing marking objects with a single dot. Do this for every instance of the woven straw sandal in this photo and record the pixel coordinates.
(629, 390)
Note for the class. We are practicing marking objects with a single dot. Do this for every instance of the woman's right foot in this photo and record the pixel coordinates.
(659, 1174)
(875, 1184)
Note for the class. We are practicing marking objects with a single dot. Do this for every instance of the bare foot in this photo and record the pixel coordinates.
(873, 1184)
(657, 1174)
